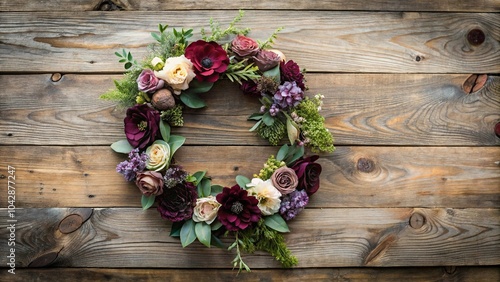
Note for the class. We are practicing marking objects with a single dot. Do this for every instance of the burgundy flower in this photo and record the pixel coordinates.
(244, 46)
(148, 82)
(177, 203)
(308, 173)
(290, 71)
(249, 87)
(239, 210)
(141, 125)
(150, 183)
(208, 58)
(266, 60)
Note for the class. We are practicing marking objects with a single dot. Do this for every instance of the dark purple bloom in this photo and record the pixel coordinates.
(288, 95)
(308, 173)
(293, 203)
(136, 163)
(208, 58)
(177, 203)
(249, 87)
(141, 125)
(238, 210)
(148, 82)
(290, 71)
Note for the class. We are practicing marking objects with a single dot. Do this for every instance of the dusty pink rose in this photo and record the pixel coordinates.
(148, 82)
(244, 46)
(150, 183)
(285, 180)
(266, 60)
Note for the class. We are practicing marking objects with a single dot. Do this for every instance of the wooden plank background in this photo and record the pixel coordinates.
(412, 191)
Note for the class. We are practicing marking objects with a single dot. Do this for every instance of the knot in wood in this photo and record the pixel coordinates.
(476, 37)
(70, 223)
(365, 165)
(56, 77)
(474, 83)
(417, 220)
(44, 260)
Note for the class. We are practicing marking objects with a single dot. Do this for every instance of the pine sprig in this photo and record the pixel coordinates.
(217, 33)
(270, 41)
(125, 91)
(241, 71)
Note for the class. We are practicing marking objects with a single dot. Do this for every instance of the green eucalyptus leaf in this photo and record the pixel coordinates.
(175, 142)
(255, 116)
(147, 201)
(276, 222)
(256, 125)
(164, 130)
(216, 225)
(188, 234)
(199, 176)
(175, 231)
(299, 152)
(203, 233)
(122, 146)
(196, 87)
(192, 100)
(216, 189)
(282, 153)
(206, 187)
(273, 73)
(217, 242)
(268, 119)
(242, 181)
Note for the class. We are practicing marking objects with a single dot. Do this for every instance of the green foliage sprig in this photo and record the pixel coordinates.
(127, 58)
(125, 91)
(217, 33)
(270, 41)
(238, 71)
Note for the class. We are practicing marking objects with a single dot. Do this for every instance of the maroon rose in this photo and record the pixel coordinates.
(266, 60)
(308, 173)
(208, 58)
(150, 183)
(148, 82)
(290, 71)
(249, 87)
(244, 46)
(238, 210)
(177, 203)
(141, 125)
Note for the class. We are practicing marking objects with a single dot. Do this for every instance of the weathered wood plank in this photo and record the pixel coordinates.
(343, 5)
(320, 41)
(360, 109)
(127, 237)
(417, 274)
(459, 177)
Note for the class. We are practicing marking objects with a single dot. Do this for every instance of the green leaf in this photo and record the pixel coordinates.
(118, 54)
(255, 116)
(128, 65)
(147, 201)
(175, 142)
(199, 176)
(298, 152)
(192, 100)
(216, 225)
(205, 187)
(122, 146)
(273, 73)
(164, 130)
(196, 87)
(292, 130)
(188, 234)
(255, 126)
(242, 181)
(203, 233)
(217, 242)
(216, 189)
(276, 222)
(175, 231)
(268, 119)
(282, 153)
(156, 36)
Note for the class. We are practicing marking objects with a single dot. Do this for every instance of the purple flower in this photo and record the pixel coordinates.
(293, 203)
(177, 203)
(142, 125)
(135, 164)
(148, 82)
(274, 110)
(288, 95)
(290, 71)
(174, 176)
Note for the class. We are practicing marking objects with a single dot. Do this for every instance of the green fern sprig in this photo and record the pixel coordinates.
(270, 41)
(241, 71)
(217, 33)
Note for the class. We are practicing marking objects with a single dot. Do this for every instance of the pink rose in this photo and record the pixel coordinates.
(266, 60)
(244, 46)
(150, 183)
(285, 180)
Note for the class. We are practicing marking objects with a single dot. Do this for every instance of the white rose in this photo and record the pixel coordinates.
(267, 194)
(206, 209)
(158, 155)
(177, 72)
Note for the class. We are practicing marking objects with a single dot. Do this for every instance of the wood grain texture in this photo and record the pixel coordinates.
(417, 274)
(144, 5)
(461, 177)
(320, 238)
(360, 109)
(320, 41)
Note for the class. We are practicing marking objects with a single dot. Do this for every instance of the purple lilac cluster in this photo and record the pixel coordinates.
(293, 203)
(136, 163)
(288, 95)
(174, 175)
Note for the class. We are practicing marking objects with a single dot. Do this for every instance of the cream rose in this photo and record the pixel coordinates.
(267, 194)
(158, 155)
(206, 210)
(177, 72)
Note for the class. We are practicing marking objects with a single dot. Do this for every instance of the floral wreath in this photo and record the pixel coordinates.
(172, 76)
